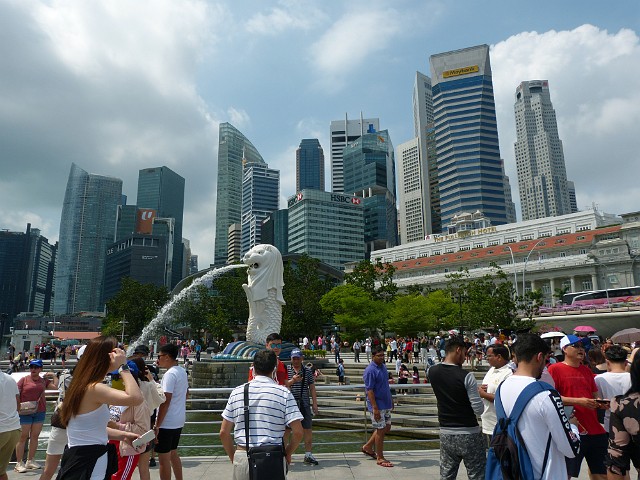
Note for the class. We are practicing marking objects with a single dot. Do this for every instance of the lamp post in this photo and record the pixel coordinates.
(123, 322)
(53, 324)
(524, 269)
(606, 276)
(633, 278)
(515, 274)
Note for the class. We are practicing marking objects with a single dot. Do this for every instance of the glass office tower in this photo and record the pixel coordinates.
(86, 229)
(162, 190)
(470, 170)
(309, 165)
(233, 148)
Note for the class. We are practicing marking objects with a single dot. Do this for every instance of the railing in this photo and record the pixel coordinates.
(344, 423)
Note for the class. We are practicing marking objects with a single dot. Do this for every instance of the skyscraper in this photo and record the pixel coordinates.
(341, 133)
(369, 172)
(326, 226)
(470, 172)
(233, 147)
(161, 189)
(309, 165)
(86, 229)
(260, 197)
(542, 175)
(27, 266)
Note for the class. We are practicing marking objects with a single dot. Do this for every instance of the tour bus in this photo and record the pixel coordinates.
(602, 297)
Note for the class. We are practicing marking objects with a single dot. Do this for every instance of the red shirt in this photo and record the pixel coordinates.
(32, 391)
(280, 374)
(578, 382)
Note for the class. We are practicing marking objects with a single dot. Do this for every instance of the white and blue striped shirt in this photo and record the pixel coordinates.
(271, 408)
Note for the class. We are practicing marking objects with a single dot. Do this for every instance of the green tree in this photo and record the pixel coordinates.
(558, 293)
(484, 302)
(529, 306)
(136, 303)
(354, 310)
(366, 274)
(303, 288)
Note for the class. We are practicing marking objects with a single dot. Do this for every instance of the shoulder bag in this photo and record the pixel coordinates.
(30, 407)
(266, 462)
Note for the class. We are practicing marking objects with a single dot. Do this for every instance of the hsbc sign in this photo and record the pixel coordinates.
(345, 199)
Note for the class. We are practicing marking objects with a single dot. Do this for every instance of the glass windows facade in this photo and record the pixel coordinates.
(233, 149)
(327, 226)
(309, 165)
(470, 170)
(86, 229)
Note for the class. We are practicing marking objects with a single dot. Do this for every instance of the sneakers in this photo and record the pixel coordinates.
(20, 468)
(310, 460)
(32, 465)
(152, 462)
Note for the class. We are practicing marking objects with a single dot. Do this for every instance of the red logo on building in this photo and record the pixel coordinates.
(355, 201)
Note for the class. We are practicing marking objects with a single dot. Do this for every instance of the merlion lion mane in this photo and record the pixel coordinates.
(264, 292)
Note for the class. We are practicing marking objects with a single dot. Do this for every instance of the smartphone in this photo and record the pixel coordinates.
(603, 401)
(144, 438)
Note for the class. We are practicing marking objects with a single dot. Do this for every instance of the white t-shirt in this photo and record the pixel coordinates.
(9, 418)
(609, 385)
(542, 415)
(493, 378)
(175, 382)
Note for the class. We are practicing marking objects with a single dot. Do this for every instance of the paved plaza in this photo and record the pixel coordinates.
(336, 466)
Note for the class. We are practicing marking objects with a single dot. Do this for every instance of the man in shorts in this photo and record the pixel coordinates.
(302, 386)
(172, 413)
(379, 404)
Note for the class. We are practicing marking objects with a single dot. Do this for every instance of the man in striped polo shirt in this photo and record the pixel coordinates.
(272, 408)
(302, 385)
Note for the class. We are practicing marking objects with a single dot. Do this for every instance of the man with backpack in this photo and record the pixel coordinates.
(536, 411)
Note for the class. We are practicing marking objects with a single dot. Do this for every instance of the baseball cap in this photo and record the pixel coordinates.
(296, 353)
(36, 363)
(141, 349)
(569, 340)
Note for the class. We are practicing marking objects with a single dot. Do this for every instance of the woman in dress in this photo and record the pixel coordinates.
(624, 429)
(32, 388)
(85, 412)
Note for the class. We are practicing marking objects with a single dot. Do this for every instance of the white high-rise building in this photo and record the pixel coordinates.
(542, 174)
(343, 132)
(411, 194)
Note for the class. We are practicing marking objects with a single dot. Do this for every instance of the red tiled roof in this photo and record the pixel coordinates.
(76, 335)
(499, 251)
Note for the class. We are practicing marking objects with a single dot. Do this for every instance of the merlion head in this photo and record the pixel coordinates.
(265, 271)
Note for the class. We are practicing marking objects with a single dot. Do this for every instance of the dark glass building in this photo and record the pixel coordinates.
(260, 197)
(275, 230)
(309, 165)
(162, 190)
(369, 173)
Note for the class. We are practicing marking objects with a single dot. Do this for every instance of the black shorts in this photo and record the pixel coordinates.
(593, 448)
(306, 413)
(168, 439)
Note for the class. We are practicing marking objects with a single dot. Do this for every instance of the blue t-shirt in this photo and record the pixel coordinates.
(376, 378)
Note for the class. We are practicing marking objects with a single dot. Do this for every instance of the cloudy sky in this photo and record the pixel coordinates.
(120, 85)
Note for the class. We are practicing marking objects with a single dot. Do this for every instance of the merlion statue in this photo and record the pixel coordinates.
(264, 292)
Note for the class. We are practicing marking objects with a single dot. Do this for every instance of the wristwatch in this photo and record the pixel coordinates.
(123, 368)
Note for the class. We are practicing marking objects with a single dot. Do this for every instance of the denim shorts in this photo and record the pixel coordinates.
(37, 417)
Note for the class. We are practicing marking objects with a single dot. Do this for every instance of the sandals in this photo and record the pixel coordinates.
(368, 454)
(385, 463)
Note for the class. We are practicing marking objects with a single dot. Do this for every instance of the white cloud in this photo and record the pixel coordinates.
(291, 15)
(238, 117)
(356, 36)
(594, 84)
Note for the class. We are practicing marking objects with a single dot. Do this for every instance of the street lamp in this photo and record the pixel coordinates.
(606, 276)
(515, 275)
(123, 322)
(53, 323)
(524, 269)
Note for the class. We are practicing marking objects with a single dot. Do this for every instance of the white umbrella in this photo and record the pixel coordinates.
(552, 335)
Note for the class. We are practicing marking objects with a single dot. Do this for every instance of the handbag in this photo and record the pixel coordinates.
(126, 449)
(266, 462)
(28, 408)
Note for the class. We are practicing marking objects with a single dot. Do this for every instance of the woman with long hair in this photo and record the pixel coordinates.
(624, 428)
(85, 412)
